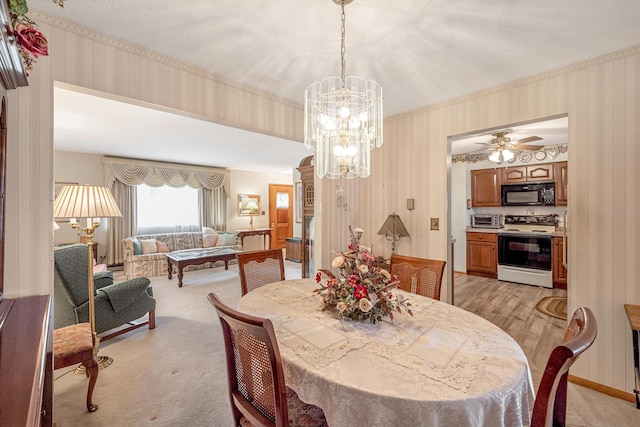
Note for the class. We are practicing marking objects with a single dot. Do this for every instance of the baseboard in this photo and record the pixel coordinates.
(610, 391)
(464, 273)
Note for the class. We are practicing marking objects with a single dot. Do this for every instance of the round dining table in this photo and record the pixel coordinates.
(443, 366)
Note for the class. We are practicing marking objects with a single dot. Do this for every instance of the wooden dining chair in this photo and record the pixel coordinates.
(257, 389)
(259, 268)
(418, 275)
(550, 407)
(73, 344)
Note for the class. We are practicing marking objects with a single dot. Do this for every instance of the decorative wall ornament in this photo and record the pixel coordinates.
(551, 151)
(31, 42)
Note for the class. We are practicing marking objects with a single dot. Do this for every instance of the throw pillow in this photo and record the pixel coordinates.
(149, 246)
(137, 246)
(162, 247)
(209, 240)
(229, 239)
(208, 230)
(219, 241)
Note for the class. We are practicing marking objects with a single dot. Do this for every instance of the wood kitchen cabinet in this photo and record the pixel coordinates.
(531, 173)
(560, 173)
(482, 254)
(559, 271)
(485, 188)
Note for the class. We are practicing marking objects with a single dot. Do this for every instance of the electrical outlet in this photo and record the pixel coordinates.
(435, 223)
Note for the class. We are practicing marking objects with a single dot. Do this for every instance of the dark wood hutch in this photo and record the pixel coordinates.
(306, 169)
(26, 335)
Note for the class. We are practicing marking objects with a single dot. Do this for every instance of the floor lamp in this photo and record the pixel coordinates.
(93, 203)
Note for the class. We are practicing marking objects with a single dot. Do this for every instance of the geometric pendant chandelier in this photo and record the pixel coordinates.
(343, 120)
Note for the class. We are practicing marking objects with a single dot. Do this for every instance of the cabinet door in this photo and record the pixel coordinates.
(560, 174)
(514, 175)
(531, 173)
(485, 188)
(481, 258)
(559, 272)
(540, 172)
(482, 255)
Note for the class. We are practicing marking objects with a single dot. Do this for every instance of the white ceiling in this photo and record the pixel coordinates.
(421, 52)
(91, 124)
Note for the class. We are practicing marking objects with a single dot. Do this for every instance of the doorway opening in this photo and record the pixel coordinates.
(543, 140)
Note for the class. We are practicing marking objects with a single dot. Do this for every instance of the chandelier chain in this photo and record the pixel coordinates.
(342, 47)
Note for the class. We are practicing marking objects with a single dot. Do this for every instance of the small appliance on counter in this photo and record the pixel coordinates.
(486, 220)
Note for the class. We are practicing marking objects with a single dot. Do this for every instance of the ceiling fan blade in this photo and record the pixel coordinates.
(527, 139)
(526, 147)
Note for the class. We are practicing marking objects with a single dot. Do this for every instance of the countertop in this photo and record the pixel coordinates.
(558, 233)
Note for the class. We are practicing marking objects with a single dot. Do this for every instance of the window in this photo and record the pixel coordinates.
(167, 209)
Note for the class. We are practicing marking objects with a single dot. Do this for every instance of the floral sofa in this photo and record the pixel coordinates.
(146, 254)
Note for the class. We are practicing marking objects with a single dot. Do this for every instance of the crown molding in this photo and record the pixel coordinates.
(598, 60)
(101, 38)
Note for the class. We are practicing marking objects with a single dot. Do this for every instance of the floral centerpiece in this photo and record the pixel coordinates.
(360, 290)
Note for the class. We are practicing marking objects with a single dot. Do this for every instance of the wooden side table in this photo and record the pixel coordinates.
(633, 314)
(255, 232)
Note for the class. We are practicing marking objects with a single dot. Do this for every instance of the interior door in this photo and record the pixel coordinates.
(280, 214)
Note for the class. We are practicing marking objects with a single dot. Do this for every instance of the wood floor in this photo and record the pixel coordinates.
(511, 306)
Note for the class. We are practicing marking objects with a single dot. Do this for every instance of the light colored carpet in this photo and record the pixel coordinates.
(173, 375)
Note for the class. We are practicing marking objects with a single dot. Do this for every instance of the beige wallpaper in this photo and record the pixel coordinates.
(601, 97)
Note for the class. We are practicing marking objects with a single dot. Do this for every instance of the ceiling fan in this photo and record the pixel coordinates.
(502, 147)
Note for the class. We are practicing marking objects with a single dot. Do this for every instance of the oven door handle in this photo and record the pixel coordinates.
(564, 239)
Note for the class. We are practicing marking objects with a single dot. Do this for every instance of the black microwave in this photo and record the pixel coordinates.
(534, 194)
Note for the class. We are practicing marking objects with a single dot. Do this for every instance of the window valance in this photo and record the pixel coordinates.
(155, 174)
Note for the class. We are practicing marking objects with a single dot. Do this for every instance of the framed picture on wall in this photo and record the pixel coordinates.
(298, 201)
(248, 204)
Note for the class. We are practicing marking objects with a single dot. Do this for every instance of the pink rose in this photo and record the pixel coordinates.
(31, 40)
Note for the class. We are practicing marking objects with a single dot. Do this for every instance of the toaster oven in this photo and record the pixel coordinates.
(486, 220)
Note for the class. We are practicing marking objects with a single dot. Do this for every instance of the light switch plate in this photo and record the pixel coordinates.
(435, 223)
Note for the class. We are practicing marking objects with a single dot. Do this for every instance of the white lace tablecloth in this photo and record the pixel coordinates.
(442, 367)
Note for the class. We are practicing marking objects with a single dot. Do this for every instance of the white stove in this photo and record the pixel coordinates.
(524, 249)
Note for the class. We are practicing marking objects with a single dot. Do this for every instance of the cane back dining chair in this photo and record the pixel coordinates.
(550, 407)
(257, 389)
(259, 268)
(418, 275)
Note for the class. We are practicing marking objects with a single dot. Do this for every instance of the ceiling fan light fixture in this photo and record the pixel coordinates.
(507, 155)
(343, 121)
(501, 155)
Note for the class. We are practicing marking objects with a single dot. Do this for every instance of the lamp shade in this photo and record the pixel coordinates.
(85, 201)
(252, 206)
(394, 226)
